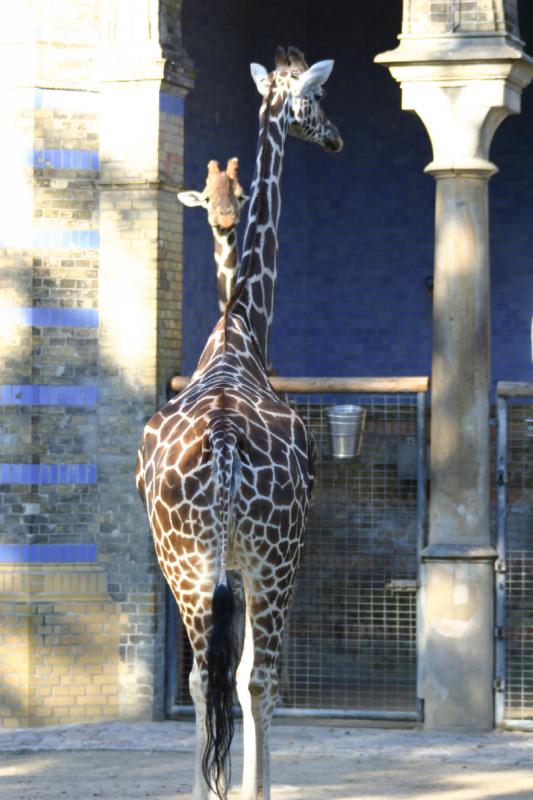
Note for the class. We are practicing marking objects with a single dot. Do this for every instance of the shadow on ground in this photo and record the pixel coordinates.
(127, 775)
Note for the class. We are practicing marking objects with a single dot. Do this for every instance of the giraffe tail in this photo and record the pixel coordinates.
(222, 652)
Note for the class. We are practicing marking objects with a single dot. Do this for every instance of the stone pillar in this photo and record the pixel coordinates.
(461, 69)
(144, 78)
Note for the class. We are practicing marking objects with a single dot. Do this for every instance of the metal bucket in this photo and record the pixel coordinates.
(346, 426)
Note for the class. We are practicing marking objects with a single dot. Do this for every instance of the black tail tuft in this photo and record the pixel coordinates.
(221, 665)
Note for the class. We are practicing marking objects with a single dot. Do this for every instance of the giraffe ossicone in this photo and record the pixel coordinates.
(226, 469)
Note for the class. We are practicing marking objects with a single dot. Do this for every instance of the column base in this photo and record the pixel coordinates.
(457, 644)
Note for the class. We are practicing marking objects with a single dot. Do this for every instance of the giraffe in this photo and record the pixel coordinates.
(226, 468)
(223, 198)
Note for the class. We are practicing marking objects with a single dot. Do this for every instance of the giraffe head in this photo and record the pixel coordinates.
(223, 196)
(301, 87)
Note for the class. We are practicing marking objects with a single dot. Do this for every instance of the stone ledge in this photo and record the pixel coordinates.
(459, 552)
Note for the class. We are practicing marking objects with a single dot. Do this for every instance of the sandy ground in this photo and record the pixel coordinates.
(154, 760)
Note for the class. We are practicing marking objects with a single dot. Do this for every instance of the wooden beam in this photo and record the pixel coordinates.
(514, 389)
(334, 385)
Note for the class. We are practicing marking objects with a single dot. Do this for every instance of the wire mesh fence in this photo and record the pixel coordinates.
(516, 528)
(350, 642)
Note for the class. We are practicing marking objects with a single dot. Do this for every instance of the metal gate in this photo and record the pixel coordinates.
(514, 583)
(350, 645)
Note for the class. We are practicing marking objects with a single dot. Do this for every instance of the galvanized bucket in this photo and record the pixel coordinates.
(346, 426)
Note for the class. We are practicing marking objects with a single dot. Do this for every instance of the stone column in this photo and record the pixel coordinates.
(461, 69)
(144, 77)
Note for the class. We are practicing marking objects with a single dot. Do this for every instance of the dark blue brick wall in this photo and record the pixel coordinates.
(356, 234)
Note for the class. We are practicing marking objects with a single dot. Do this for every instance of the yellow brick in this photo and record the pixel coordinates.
(89, 712)
(90, 658)
(52, 701)
(69, 680)
(93, 690)
(42, 711)
(100, 679)
(61, 691)
(84, 701)
(11, 722)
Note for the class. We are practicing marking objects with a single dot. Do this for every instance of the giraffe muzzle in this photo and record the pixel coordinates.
(333, 142)
(226, 221)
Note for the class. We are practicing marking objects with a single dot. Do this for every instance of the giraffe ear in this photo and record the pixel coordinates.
(192, 199)
(259, 74)
(315, 76)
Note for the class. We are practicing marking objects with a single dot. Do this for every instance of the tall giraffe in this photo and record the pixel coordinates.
(225, 469)
(223, 198)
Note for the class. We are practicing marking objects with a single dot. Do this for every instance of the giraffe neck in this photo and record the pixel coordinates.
(227, 261)
(254, 297)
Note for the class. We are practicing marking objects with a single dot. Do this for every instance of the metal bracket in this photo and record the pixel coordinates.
(500, 566)
(499, 632)
(403, 585)
(501, 478)
(499, 684)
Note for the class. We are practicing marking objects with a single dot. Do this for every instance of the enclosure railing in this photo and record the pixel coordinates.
(351, 643)
(514, 565)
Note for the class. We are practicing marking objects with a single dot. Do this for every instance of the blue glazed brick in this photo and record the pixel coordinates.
(47, 474)
(63, 395)
(63, 159)
(34, 553)
(54, 552)
(7, 553)
(66, 239)
(44, 316)
(6, 395)
(92, 318)
(48, 553)
(171, 104)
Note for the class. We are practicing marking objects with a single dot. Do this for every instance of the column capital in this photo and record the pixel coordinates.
(462, 87)
(143, 42)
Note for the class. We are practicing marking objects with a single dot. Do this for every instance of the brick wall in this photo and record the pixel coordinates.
(58, 645)
(90, 256)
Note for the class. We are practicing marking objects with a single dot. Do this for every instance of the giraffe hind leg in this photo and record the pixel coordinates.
(208, 621)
